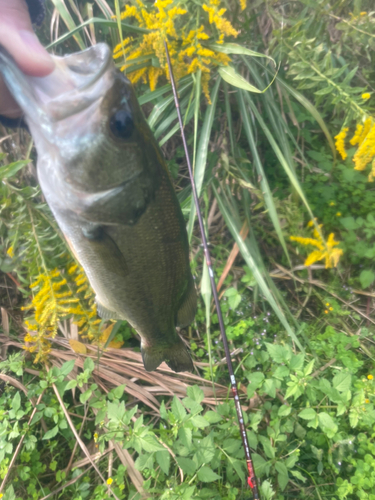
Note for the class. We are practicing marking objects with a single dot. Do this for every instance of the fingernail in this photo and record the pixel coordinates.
(35, 48)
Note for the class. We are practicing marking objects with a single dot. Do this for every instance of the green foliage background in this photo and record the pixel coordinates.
(303, 338)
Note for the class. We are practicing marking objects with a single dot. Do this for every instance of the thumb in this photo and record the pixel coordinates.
(18, 38)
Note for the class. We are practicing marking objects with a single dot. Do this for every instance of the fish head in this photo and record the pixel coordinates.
(92, 140)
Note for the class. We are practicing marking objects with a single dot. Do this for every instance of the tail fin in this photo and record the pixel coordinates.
(176, 356)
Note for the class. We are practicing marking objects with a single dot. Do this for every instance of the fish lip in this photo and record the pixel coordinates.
(58, 95)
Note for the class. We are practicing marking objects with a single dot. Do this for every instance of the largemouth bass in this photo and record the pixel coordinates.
(106, 182)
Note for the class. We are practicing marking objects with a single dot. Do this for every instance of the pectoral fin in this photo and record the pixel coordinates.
(106, 313)
(188, 308)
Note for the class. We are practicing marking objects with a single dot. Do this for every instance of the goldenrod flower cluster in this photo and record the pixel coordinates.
(325, 249)
(145, 57)
(340, 142)
(364, 138)
(58, 297)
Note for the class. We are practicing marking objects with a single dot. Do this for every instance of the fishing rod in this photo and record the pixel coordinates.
(251, 479)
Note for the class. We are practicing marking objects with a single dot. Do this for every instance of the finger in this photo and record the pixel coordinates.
(19, 39)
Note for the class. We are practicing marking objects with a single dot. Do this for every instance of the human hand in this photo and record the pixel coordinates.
(18, 38)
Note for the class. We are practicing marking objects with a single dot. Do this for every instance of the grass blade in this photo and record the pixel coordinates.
(312, 110)
(96, 20)
(200, 166)
(251, 262)
(68, 20)
(268, 199)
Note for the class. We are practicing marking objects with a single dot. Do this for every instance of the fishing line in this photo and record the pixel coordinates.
(251, 480)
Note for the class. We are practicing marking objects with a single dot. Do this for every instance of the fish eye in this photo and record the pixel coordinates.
(121, 124)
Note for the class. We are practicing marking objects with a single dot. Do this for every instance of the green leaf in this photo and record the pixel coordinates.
(284, 411)
(163, 458)
(278, 353)
(307, 414)
(150, 444)
(67, 367)
(234, 297)
(16, 402)
(187, 465)
(283, 479)
(207, 475)
(10, 170)
(212, 417)
(267, 491)
(89, 365)
(116, 411)
(281, 372)
(71, 385)
(206, 450)
(309, 368)
(163, 411)
(327, 424)
(296, 363)
(353, 418)
(51, 433)
(85, 396)
(269, 387)
(342, 381)
(178, 410)
(199, 422)
(232, 445)
(185, 434)
(118, 391)
(366, 278)
(230, 75)
(269, 450)
(255, 379)
(145, 461)
(195, 393)
(298, 475)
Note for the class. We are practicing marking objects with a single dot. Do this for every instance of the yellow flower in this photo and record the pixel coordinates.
(366, 95)
(10, 252)
(363, 13)
(325, 250)
(367, 401)
(370, 377)
(365, 154)
(96, 435)
(338, 214)
(331, 308)
(145, 57)
(326, 311)
(327, 304)
(109, 481)
(243, 4)
(332, 204)
(58, 297)
(340, 142)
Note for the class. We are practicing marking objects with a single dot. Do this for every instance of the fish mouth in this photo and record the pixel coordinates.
(76, 82)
